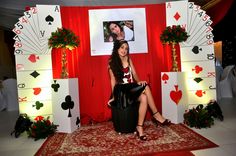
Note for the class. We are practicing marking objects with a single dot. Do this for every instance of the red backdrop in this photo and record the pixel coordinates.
(91, 71)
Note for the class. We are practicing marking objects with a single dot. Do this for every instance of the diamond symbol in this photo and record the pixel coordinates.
(177, 16)
(35, 74)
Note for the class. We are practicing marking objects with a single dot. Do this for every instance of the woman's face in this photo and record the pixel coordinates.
(123, 50)
(114, 28)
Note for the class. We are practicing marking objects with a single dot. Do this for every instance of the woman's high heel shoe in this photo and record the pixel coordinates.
(166, 122)
(143, 137)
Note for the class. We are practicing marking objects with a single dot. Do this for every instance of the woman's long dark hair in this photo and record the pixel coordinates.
(114, 36)
(115, 63)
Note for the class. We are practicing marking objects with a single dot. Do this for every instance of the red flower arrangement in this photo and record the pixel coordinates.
(41, 128)
(63, 38)
(173, 34)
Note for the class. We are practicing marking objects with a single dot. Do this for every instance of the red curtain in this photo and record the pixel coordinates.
(218, 12)
(91, 71)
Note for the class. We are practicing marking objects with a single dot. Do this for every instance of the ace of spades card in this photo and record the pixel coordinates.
(49, 19)
(174, 97)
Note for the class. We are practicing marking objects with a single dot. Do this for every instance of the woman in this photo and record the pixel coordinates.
(119, 33)
(119, 62)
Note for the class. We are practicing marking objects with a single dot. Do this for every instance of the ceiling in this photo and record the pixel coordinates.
(11, 10)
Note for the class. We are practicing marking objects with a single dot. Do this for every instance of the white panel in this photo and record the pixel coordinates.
(33, 62)
(30, 108)
(67, 87)
(172, 109)
(43, 80)
(35, 94)
(206, 83)
(201, 96)
(197, 53)
(199, 69)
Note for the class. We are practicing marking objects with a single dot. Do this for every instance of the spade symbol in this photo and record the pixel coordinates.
(49, 19)
(77, 121)
(38, 105)
(198, 79)
(68, 104)
(55, 86)
(196, 49)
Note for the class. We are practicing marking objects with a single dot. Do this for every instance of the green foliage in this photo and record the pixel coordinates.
(198, 117)
(41, 128)
(174, 34)
(63, 38)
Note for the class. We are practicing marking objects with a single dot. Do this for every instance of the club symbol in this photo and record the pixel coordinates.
(196, 49)
(55, 86)
(68, 104)
(38, 105)
(49, 19)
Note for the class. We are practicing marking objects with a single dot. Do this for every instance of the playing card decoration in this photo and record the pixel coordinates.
(176, 95)
(67, 113)
(33, 58)
(68, 104)
(197, 52)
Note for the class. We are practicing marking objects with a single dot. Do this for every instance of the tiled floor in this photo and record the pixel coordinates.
(221, 133)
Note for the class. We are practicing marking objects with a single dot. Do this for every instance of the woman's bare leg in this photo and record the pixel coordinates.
(142, 113)
(152, 105)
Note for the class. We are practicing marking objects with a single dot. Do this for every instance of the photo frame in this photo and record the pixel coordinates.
(99, 19)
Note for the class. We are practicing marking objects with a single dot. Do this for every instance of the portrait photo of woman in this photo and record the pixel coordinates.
(118, 30)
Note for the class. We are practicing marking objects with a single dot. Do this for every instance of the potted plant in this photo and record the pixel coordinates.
(65, 39)
(173, 35)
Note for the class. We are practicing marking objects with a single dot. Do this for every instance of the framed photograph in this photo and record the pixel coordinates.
(108, 25)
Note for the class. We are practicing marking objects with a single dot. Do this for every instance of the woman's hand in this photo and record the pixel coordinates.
(143, 83)
(109, 102)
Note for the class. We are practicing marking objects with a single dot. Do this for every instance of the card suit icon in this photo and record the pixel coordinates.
(197, 79)
(77, 121)
(35, 74)
(68, 104)
(196, 49)
(38, 105)
(55, 86)
(49, 19)
(37, 91)
(177, 16)
(165, 77)
(197, 69)
(200, 93)
(33, 58)
(176, 95)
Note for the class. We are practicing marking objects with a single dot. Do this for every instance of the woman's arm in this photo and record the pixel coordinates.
(113, 83)
(135, 75)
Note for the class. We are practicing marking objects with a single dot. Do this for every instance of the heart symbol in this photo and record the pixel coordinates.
(176, 95)
(165, 77)
(37, 91)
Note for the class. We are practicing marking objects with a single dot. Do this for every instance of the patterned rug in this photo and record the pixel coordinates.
(101, 139)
